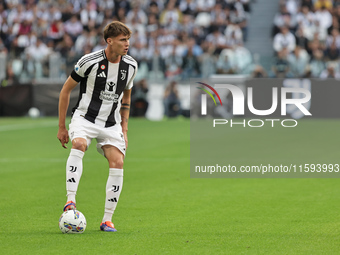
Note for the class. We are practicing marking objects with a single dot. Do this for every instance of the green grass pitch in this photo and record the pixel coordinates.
(161, 209)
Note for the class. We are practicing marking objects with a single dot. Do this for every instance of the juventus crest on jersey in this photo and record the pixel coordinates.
(101, 86)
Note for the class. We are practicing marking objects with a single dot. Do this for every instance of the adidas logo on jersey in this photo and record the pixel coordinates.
(71, 180)
(102, 74)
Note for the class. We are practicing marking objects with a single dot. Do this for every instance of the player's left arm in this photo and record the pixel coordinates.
(125, 113)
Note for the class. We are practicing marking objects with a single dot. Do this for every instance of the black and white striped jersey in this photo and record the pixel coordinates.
(101, 87)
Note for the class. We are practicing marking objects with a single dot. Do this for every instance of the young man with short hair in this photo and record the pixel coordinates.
(102, 112)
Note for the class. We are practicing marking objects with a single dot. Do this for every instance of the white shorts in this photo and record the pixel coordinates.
(82, 128)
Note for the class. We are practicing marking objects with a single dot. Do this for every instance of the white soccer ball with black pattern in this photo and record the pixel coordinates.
(72, 222)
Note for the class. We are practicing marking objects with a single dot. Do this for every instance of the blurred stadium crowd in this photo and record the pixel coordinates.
(175, 39)
(172, 38)
(306, 39)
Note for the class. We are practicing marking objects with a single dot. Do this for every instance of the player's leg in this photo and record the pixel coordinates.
(114, 184)
(74, 170)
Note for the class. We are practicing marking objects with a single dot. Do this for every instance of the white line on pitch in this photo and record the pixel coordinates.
(24, 126)
(8, 160)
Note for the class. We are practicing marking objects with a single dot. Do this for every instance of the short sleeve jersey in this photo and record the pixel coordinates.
(101, 86)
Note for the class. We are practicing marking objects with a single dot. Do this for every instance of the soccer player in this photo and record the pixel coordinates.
(102, 112)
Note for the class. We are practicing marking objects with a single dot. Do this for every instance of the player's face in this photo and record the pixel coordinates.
(119, 44)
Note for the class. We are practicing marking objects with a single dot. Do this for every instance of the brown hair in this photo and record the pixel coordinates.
(116, 28)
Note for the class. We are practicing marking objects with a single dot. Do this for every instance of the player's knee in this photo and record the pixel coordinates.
(118, 163)
(79, 144)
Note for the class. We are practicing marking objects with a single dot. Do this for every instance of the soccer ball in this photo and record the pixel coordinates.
(34, 113)
(72, 221)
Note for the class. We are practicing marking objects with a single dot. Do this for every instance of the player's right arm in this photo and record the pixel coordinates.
(64, 100)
